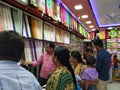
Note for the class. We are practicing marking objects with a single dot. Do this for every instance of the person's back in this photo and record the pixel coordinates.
(103, 65)
(12, 75)
(63, 77)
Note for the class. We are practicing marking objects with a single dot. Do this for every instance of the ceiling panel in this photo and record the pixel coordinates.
(104, 8)
(107, 12)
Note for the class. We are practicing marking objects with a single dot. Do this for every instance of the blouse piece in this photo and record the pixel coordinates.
(61, 79)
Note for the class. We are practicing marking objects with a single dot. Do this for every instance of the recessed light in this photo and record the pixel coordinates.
(91, 26)
(93, 29)
(84, 16)
(78, 7)
(79, 17)
(110, 27)
(88, 22)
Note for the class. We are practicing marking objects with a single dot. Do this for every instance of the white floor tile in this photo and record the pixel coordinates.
(113, 86)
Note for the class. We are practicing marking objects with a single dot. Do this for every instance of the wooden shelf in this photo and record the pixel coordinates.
(24, 8)
(45, 17)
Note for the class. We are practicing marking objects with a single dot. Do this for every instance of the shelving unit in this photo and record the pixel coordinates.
(113, 46)
(36, 26)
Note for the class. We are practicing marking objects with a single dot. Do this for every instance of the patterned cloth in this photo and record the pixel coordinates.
(47, 64)
(14, 77)
(61, 79)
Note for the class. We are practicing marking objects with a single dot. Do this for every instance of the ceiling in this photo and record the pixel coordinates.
(102, 13)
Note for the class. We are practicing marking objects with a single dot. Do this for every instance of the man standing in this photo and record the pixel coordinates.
(47, 64)
(12, 75)
(102, 65)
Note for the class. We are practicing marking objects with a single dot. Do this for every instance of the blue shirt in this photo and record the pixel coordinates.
(103, 64)
(14, 77)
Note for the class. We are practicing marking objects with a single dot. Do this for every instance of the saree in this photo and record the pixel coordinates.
(61, 79)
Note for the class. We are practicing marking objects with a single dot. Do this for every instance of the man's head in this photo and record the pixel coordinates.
(50, 47)
(98, 43)
(11, 46)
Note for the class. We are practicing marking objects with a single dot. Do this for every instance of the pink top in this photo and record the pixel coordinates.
(47, 65)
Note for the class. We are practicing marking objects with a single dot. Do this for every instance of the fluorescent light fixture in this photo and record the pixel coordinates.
(91, 26)
(93, 29)
(78, 7)
(110, 27)
(97, 34)
(88, 22)
(84, 16)
(79, 17)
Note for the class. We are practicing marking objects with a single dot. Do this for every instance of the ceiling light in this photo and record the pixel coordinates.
(78, 7)
(93, 29)
(79, 17)
(110, 27)
(91, 26)
(84, 16)
(88, 22)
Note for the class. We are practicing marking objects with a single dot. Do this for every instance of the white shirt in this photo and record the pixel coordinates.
(14, 77)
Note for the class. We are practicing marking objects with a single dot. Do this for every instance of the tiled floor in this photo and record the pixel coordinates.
(114, 85)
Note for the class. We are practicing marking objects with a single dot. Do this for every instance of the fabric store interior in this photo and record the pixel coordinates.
(73, 24)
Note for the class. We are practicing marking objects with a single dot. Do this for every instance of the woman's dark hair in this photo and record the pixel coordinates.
(77, 55)
(63, 56)
(11, 46)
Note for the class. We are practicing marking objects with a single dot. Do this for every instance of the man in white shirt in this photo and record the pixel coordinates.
(12, 75)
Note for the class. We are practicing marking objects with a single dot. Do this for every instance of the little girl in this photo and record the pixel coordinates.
(90, 74)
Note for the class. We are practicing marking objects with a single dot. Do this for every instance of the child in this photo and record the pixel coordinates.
(90, 74)
(115, 60)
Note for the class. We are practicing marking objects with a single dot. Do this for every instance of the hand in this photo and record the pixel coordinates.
(23, 62)
(28, 62)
